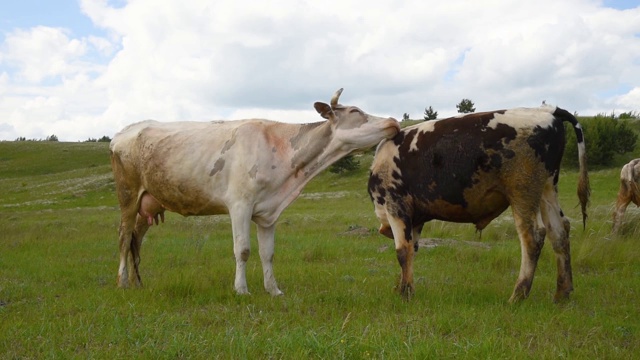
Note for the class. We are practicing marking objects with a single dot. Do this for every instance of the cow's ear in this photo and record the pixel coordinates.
(324, 110)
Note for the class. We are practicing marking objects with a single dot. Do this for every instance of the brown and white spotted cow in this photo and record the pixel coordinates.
(471, 168)
(629, 191)
(250, 169)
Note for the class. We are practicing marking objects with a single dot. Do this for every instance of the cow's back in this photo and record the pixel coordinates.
(171, 134)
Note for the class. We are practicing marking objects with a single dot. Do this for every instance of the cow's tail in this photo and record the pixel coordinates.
(584, 189)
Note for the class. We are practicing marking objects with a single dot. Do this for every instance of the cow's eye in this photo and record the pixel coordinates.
(355, 110)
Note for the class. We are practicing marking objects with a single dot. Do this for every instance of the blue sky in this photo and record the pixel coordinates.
(621, 4)
(59, 13)
(81, 69)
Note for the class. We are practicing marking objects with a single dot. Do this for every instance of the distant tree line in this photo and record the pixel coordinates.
(55, 138)
(105, 138)
(48, 138)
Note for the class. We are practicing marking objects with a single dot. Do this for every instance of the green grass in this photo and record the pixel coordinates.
(59, 258)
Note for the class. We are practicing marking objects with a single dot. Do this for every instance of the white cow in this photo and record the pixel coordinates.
(249, 169)
(628, 193)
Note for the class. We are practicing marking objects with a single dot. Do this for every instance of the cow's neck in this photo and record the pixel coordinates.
(313, 150)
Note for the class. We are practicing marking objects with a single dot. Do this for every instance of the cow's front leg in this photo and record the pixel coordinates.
(266, 243)
(241, 228)
(405, 251)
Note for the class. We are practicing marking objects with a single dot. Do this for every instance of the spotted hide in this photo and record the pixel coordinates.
(471, 168)
(628, 193)
(249, 169)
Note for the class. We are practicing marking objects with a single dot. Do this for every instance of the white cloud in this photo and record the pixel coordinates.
(209, 60)
(630, 100)
(41, 52)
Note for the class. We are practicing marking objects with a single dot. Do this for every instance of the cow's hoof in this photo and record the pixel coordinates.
(276, 293)
(517, 296)
(561, 297)
(406, 291)
(244, 291)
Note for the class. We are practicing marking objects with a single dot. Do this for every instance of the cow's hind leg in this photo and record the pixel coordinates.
(125, 233)
(241, 228)
(558, 228)
(266, 243)
(531, 242)
(621, 206)
(142, 225)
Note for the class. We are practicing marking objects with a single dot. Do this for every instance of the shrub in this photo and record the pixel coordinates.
(605, 138)
(346, 164)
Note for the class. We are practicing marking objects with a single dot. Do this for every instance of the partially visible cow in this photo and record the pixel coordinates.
(250, 169)
(629, 192)
(469, 169)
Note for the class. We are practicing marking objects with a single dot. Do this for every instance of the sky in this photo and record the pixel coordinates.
(83, 69)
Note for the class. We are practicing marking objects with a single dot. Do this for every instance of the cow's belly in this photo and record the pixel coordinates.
(187, 195)
(189, 203)
(479, 209)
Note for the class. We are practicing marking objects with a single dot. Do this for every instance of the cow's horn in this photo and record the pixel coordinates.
(334, 99)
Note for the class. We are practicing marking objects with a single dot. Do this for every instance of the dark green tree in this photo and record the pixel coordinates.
(405, 117)
(430, 114)
(465, 106)
(346, 164)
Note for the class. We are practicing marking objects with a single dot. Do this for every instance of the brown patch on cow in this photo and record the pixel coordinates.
(244, 255)
(386, 231)
(217, 167)
(228, 144)
(275, 139)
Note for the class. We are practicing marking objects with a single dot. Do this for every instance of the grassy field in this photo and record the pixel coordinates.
(58, 265)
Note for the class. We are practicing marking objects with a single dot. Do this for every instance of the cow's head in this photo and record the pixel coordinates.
(353, 128)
